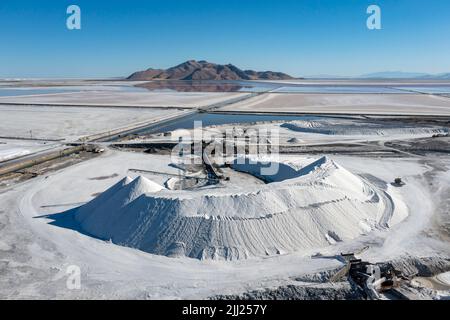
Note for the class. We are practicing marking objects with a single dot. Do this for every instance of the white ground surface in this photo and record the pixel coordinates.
(10, 149)
(55, 83)
(401, 104)
(34, 255)
(121, 98)
(70, 123)
(34, 90)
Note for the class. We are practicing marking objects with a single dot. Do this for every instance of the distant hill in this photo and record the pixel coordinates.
(327, 76)
(204, 70)
(393, 75)
(441, 76)
(405, 75)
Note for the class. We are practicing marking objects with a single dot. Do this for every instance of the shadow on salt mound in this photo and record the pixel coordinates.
(104, 196)
(273, 171)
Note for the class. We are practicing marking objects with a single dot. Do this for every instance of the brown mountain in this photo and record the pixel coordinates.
(203, 70)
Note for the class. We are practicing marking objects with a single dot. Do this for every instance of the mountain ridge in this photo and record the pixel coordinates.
(204, 70)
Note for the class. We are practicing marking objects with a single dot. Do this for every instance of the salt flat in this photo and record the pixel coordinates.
(38, 253)
(360, 82)
(375, 104)
(46, 122)
(10, 149)
(342, 207)
(86, 84)
(123, 98)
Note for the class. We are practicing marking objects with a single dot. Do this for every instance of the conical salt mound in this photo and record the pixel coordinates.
(98, 215)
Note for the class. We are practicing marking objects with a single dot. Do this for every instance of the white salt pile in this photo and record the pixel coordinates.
(294, 140)
(311, 207)
(359, 127)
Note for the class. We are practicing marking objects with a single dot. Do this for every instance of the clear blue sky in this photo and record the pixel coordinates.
(300, 37)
